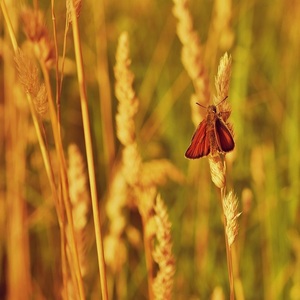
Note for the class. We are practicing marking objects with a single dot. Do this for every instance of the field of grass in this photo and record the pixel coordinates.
(97, 109)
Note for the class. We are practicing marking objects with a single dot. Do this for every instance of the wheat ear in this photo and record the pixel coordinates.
(142, 178)
(192, 57)
(218, 170)
(163, 282)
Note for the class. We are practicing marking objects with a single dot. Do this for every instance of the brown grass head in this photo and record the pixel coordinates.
(70, 4)
(37, 33)
(34, 25)
(29, 78)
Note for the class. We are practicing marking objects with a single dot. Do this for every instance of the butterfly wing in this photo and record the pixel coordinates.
(200, 144)
(223, 136)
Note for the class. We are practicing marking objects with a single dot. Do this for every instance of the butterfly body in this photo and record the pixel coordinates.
(212, 136)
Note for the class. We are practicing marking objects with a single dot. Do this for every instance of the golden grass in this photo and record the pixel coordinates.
(94, 126)
(135, 172)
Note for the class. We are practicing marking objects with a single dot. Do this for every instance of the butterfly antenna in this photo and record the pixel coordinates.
(201, 105)
(221, 101)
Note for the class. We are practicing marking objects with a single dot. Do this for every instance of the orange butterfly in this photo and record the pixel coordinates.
(211, 136)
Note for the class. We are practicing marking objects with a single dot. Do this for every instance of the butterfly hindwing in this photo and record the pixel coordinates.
(223, 136)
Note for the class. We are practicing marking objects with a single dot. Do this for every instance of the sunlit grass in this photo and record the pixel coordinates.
(38, 257)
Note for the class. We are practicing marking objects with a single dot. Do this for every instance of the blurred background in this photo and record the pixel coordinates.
(263, 38)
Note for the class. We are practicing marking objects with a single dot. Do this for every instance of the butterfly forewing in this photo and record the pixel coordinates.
(223, 135)
(200, 144)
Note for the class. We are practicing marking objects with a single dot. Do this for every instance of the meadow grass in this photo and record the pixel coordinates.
(97, 108)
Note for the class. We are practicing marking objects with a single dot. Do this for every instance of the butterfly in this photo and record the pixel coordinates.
(211, 136)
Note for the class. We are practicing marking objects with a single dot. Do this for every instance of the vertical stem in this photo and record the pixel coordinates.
(43, 147)
(57, 94)
(64, 179)
(89, 153)
(149, 261)
(104, 85)
(228, 249)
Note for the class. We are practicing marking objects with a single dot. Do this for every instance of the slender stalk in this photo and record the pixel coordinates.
(149, 261)
(57, 93)
(89, 153)
(46, 159)
(64, 179)
(64, 262)
(104, 85)
(63, 57)
(43, 147)
(9, 26)
(228, 249)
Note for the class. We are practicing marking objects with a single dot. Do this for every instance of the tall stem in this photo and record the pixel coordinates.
(63, 177)
(89, 153)
(149, 261)
(228, 249)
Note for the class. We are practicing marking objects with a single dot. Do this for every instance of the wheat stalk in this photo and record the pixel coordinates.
(143, 178)
(218, 169)
(44, 51)
(192, 59)
(89, 149)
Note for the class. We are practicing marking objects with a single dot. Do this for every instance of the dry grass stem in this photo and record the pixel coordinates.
(44, 52)
(28, 78)
(142, 178)
(75, 266)
(218, 167)
(104, 82)
(68, 75)
(163, 282)
(89, 151)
